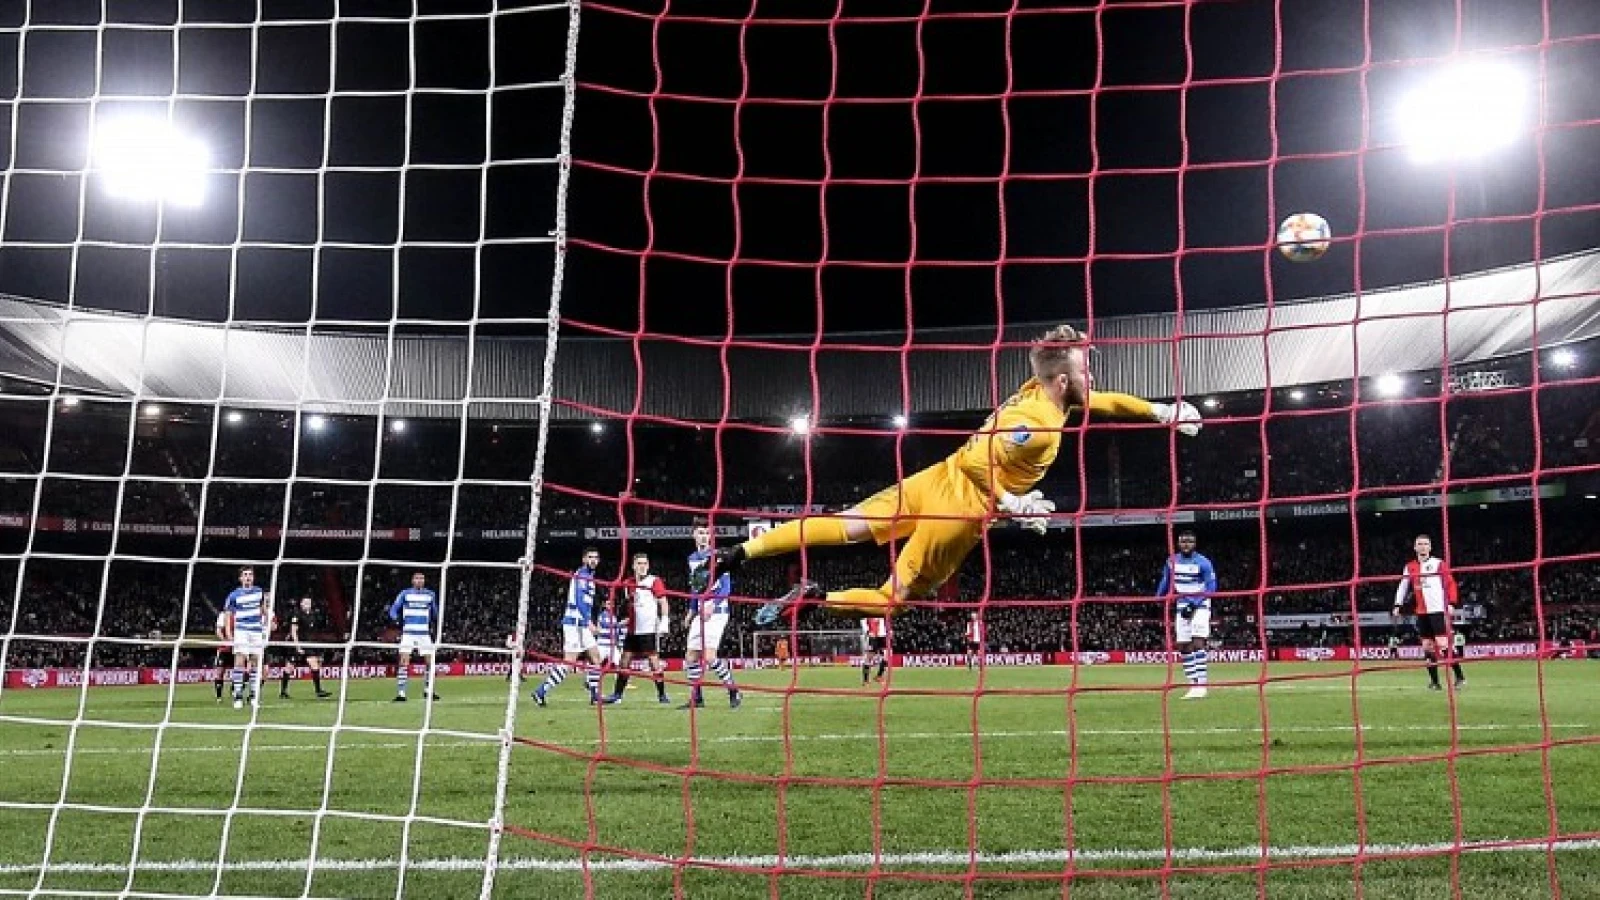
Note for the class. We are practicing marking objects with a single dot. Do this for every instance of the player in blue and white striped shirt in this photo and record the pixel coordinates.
(579, 631)
(707, 618)
(250, 609)
(416, 609)
(1189, 578)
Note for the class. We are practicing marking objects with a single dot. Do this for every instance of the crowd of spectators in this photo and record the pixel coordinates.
(266, 468)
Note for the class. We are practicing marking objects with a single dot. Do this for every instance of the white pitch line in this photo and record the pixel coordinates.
(891, 736)
(909, 860)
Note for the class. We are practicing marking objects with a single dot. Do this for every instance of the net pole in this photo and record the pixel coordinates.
(546, 407)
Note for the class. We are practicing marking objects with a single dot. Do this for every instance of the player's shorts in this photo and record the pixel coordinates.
(1431, 625)
(416, 643)
(974, 647)
(577, 639)
(940, 515)
(1197, 626)
(706, 634)
(877, 644)
(644, 644)
(249, 643)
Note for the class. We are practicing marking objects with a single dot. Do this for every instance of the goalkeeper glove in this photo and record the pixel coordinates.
(1031, 510)
(1184, 415)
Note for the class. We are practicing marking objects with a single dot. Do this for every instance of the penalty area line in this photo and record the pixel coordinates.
(910, 860)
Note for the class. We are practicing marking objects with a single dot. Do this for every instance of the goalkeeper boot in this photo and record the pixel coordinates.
(789, 603)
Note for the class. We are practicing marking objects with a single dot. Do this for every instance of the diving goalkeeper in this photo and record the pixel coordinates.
(941, 511)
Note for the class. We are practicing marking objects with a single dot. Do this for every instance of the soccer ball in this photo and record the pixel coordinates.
(1304, 237)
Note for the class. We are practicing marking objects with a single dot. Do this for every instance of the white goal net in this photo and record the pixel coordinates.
(278, 287)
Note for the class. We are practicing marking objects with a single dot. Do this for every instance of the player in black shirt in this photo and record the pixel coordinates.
(305, 620)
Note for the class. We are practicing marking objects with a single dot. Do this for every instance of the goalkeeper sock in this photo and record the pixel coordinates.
(822, 531)
(862, 601)
(724, 672)
(1433, 667)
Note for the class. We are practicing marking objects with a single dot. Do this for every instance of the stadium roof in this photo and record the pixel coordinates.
(1467, 319)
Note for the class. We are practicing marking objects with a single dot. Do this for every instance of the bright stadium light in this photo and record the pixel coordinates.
(69, 402)
(1390, 385)
(152, 409)
(316, 422)
(597, 428)
(1297, 394)
(235, 417)
(900, 422)
(146, 158)
(1565, 357)
(800, 425)
(1464, 112)
(1211, 403)
(397, 426)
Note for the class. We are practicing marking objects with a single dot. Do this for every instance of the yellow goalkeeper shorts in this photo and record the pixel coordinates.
(941, 518)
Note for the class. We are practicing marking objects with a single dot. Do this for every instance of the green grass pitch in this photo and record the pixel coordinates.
(1013, 794)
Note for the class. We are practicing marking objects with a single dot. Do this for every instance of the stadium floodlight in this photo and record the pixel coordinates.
(397, 426)
(1390, 384)
(1297, 394)
(69, 402)
(235, 417)
(1464, 112)
(316, 422)
(1565, 357)
(152, 409)
(147, 158)
(1211, 403)
(597, 428)
(900, 422)
(800, 425)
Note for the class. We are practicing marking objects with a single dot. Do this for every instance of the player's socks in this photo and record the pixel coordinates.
(1433, 668)
(218, 684)
(695, 672)
(316, 680)
(1455, 669)
(238, 684)
(660, 678)
(820, 531)
(1201, 657)
(400, 678)
(283, 682)
(724, 672)
(883, 666)
(553, 679)
(622, 684)
(866, 671)
(591, 677)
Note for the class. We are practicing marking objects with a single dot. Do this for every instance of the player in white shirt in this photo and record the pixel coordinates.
(874, 647)
(1431, 587)
(974, 639)
(249, 607)
(579, 632)
(646, 613)
(416, 609)
(706, 619)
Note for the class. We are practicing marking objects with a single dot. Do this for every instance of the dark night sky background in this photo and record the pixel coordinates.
(873, 203)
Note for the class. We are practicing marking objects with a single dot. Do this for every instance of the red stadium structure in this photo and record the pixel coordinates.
(813, 162)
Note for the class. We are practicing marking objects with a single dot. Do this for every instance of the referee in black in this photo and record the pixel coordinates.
(305, 621)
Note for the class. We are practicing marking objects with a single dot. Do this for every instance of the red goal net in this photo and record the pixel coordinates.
(809, 245)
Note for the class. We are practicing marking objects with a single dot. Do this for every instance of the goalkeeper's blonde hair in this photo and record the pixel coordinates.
(1051, 353)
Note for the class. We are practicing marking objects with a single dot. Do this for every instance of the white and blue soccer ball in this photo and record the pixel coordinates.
(1304, 237)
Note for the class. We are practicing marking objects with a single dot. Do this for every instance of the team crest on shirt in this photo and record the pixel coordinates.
(1020, 435)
